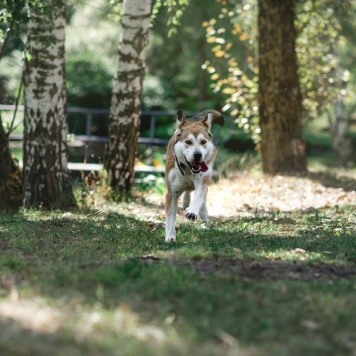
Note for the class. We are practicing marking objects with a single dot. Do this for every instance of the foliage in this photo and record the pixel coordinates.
(92, 35)
(185, 85)
(151, 183)
(236, 75)
(318, 47)
(174, 10)
(82, 71)
(14, 14)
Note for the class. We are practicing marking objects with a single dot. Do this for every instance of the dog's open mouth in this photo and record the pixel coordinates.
(197, 167)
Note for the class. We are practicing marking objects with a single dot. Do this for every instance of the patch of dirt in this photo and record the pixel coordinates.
(259, 270)
(275, 269)
(247, 194)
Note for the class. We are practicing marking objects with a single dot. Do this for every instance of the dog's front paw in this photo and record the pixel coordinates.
(170, 239)
(191, 216)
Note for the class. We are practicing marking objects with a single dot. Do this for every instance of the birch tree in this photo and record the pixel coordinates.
(45, 174)
(125, 107)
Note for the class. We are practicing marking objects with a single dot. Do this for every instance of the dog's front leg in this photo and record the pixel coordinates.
(198, 203)
(171, 213)
(204, 212)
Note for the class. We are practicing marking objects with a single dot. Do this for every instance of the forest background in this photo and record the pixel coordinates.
(192, 61)
(274, 270)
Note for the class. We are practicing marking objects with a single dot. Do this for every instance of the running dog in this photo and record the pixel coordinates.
(190, 158)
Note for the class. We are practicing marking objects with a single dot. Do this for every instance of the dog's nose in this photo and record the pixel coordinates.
(197, 156)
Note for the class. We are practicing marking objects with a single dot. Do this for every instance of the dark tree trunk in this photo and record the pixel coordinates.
(10, 176)
(125, 110)
(46, 178)
(282, 147)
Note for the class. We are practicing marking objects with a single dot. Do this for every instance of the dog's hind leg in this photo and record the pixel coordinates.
(186, 200)
(171, 212)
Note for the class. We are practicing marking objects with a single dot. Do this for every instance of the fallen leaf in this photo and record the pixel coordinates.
(150, 257)
(171, 319)
(254, 264)
(309, 324)
(226, 339)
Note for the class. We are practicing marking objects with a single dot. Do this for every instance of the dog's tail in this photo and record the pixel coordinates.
(218, 117)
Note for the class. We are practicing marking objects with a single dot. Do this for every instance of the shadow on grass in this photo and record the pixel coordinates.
(17, 338)
(228, 276)
(330, 180)
(94, 237)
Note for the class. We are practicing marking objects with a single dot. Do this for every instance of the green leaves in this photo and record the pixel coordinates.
(237, 82)
(319, 47)
(318, 50)
(175, 10)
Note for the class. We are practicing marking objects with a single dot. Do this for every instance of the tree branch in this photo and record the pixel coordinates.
(9, 33)
(12, 127)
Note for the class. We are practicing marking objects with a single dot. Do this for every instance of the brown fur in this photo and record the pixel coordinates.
(185, 172)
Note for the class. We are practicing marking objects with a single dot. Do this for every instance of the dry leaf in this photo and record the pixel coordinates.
(309, 324)
(150, 257)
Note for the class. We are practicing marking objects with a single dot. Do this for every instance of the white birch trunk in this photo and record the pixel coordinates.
(125, 107)
(45, 181)
(341, 141)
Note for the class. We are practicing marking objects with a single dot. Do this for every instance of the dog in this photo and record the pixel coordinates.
(189, 165)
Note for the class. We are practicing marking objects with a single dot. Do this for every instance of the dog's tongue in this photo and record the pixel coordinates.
(201, 166)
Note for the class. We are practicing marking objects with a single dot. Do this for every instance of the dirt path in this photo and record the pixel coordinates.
(246, 194)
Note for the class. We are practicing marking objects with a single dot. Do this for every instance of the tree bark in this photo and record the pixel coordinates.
(10, 176)
(340, 138)
(45, 174)
(125, 110)
(280, 101)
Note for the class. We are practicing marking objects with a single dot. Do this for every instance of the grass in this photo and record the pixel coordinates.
(91, 282)
(104, 282)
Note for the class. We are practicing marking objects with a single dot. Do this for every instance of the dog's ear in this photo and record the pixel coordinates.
(211, 117)
(180, 118)
(208, 120)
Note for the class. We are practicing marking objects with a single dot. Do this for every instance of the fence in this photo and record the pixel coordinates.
(88, 139)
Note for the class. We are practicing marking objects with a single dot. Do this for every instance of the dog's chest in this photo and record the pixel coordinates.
(180, 183)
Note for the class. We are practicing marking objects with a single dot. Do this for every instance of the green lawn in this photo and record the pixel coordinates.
(105, 283)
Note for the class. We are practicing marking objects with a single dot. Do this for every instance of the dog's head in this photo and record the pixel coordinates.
(194, 145)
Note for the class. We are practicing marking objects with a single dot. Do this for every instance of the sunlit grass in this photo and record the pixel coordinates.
(96, 281)
(101, 279)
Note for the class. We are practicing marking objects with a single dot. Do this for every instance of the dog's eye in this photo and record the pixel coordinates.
(188, 142)
(203, 142)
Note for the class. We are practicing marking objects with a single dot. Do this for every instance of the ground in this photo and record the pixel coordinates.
(272, 272)
(252, 195)
(248, 194)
